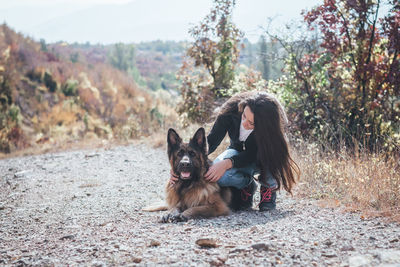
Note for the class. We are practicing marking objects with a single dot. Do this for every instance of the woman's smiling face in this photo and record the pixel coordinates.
(248, 119)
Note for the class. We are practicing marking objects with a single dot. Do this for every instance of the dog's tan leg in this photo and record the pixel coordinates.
(206, 211)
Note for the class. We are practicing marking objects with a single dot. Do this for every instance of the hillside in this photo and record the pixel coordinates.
(46, 97)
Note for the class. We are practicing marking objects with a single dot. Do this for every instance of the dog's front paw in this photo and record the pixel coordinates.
(179, 218)
(173, 218)
(166, 218)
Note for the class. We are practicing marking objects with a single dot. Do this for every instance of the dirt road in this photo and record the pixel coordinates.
(84, 208)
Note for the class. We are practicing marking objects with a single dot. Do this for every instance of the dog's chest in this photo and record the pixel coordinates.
(196, 196)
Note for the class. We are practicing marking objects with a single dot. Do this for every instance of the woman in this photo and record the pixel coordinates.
(255, 124)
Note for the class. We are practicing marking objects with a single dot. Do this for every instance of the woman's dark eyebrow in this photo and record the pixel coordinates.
(252, 123)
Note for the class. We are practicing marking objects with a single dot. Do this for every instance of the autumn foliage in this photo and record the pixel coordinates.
(55, 93)
(208, 70)
(347, 90)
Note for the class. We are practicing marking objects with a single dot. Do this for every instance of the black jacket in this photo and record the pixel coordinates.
(231, 123)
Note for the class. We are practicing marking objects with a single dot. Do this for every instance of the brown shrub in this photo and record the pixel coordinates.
(369, 182)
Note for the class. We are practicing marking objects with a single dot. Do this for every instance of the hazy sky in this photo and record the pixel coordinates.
(22, 3)
(56, 20)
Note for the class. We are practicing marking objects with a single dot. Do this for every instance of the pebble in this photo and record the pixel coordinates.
(22, 174)
(67, 237)
(260, 246)
(154, 243)
(206, 242)
(347, 248)
(360, 260)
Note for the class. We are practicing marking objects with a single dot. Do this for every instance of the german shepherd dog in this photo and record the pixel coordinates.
(191, 196)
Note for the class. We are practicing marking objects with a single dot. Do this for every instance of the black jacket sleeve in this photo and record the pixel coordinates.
(248, 155)
(218, 132)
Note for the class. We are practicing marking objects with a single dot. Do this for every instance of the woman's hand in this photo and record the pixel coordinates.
(216, 171)
(174, 177)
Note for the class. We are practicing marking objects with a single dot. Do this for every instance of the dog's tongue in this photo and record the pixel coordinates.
(185, 174)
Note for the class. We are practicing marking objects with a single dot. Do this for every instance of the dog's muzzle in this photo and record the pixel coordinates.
(185, 167)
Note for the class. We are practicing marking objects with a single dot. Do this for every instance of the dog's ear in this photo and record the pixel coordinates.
(199, 139)
(173, 139)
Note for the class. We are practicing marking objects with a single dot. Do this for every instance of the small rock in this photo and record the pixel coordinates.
(328, 242)
(254, 229)
(97, 263)
(260, 246)
(222, 258)
(207, 243)
(154, 243)
(67, 237)
(391, 241)
(172, 259)
(347, 248)
(239, 249)
(137, 260)
(389, 256)
(329, 255)
(92, 155)
(360, 260)
(104, 223)
(216, 262)
(22, 173)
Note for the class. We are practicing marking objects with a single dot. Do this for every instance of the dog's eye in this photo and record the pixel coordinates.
(192, 154)
(181, 153)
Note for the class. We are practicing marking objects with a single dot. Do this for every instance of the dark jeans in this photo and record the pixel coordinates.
(241, 177)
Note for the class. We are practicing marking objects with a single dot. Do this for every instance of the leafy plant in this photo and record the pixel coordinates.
(346, 82)
(70, 88)
(209, 70)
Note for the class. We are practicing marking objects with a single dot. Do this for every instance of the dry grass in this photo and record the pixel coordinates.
(364, 182)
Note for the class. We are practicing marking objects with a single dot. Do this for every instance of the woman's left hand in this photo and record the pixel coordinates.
(216, 171)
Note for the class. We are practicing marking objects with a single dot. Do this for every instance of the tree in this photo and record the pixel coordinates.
(208, 71)
(264, 64)
(347, 88)
(123, 57)
(216, 45)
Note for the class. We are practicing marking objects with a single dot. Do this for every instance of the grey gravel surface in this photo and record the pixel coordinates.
(84, 208)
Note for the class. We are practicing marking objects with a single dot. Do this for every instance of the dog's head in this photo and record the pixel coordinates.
(188, 160)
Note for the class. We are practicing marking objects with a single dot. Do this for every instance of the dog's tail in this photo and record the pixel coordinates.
(156, 207)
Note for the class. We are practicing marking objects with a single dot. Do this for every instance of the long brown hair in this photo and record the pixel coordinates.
(269, 124)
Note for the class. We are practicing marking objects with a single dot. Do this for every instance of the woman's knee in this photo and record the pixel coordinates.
(235, 179)
(226, 154)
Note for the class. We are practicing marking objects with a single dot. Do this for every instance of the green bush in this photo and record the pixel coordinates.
(14, 113)
(70, 88)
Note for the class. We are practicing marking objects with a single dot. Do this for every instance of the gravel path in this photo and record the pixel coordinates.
(84, 208)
